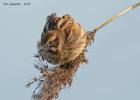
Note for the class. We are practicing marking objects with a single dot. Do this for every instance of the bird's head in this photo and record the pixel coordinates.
(53, 41)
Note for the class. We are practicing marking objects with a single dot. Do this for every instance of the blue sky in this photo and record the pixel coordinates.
(113, 71)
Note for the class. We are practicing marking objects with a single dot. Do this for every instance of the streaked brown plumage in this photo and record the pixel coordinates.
(62, 40)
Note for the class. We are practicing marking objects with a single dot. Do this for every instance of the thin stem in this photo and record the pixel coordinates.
(116, 16)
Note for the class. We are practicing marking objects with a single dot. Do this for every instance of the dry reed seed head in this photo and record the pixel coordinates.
(58, 78)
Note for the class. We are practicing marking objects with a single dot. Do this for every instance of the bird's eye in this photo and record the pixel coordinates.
(49, 42)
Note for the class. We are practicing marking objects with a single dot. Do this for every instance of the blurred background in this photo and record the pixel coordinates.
(113, 71)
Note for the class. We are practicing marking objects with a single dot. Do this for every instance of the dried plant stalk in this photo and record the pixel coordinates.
(55, 79)
(117, 16)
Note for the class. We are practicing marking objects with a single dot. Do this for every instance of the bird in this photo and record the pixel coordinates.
(62, 39)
